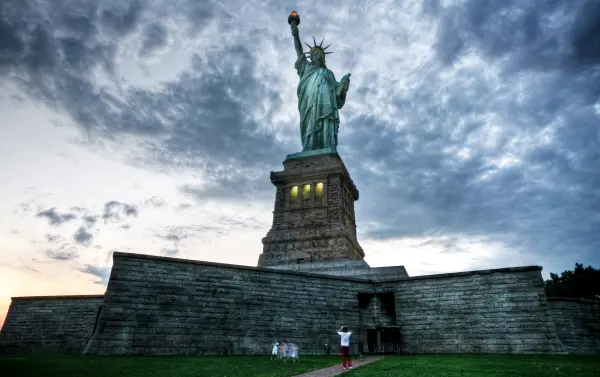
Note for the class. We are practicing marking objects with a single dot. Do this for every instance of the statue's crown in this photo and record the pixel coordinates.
(317, 47)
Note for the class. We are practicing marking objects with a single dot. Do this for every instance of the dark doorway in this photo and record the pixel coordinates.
(384, 340)
(389, 335)
(389, 338)
(371, 340)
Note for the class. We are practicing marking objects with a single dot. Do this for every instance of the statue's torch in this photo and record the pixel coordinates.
(294, 17)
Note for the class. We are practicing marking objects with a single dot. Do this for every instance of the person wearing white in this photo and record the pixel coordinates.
(274, 350)
(344, 334)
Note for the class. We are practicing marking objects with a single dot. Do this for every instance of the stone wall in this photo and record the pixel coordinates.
(350, 268)
(50, 324)
(577, 324)
(490, 311)
(161, 306)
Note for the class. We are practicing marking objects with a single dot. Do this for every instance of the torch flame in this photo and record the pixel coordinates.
(294, 13)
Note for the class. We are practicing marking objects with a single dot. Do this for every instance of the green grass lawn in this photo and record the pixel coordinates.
(481, 366)
(254, 366)
(157, 366)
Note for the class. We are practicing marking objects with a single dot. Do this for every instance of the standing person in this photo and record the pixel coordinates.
(361, 349)
(274, 351)
(280, 350)
(344, 334)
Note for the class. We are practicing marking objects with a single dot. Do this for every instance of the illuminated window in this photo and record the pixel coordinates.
(306, 192)
(319, 190)
(294, 193)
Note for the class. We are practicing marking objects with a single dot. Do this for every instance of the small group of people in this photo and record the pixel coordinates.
(285, 351)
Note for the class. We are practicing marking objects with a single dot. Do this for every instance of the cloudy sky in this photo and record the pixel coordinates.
(471, 130)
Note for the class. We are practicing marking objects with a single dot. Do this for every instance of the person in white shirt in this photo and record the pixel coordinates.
(275, 350)
(344, 334)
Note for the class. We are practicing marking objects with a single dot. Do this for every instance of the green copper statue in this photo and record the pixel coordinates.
(320, 96)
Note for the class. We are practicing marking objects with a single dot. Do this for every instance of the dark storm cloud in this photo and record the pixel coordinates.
(547, 35)
(200, 13)
(410, 183)
(62, 39)
(155, 36)
(55, 218)
(82, 236)
(199, 120)
(546, 203)
(114, 210)
(431, 189)
(103, 273)
(121, 17)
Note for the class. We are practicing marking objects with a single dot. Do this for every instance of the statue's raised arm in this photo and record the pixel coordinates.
(294, 21)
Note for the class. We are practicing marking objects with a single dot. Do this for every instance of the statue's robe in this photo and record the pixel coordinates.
(319, 99)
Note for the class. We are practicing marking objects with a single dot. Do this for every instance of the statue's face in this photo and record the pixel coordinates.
(317, 57)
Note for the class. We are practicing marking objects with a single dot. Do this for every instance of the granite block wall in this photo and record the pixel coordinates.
(349, 268)
(50, 324)
(490, 311)
(310, 227)
(578, 324)
(164, 306)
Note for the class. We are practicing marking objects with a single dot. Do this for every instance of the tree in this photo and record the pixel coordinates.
(582, 282)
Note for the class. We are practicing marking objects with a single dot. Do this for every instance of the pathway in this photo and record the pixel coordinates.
(337, 369)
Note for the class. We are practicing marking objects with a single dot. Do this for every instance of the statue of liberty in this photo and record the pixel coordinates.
(320, 96)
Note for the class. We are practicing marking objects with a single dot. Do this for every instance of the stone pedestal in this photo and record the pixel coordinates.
(313, 219)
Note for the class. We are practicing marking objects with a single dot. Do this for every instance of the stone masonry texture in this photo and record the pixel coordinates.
(577, 324)
(165, 306)
(349, 268)
(492, 311)
(59, 324)
(316, 222)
